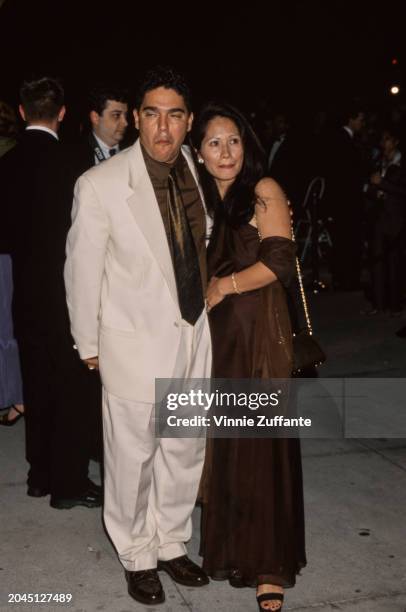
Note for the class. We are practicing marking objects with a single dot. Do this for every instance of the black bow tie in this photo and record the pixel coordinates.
(112, 152)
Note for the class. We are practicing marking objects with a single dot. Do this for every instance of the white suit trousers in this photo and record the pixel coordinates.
(151, 484)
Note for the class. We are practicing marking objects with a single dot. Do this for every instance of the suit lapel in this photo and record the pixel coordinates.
(145, 210)
(187, 155)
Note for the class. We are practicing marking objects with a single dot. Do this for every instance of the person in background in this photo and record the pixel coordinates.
(280, 130)
(107, 108)
(36, 181)
(386, 194)
(344, 168)
(11, 393)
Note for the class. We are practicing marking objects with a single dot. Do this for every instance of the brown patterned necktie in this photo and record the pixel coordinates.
(185, 259)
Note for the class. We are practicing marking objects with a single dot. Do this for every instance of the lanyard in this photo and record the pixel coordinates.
(96, 148)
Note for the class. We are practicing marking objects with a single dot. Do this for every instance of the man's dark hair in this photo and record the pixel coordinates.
(393, 130)
(42, 98)
(239, 202)
(351, 111)
(167, 77)
(100, 94)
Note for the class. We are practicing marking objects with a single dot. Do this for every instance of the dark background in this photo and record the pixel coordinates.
(291, 55)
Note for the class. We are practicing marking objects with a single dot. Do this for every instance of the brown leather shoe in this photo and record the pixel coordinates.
(184, 571)
(145, 587)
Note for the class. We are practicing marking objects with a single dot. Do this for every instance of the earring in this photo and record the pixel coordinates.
(200, 160)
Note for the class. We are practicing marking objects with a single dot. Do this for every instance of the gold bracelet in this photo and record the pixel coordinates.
(235, 286)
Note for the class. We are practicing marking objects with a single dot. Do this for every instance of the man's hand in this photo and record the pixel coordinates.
(92, 363)
(376, 178)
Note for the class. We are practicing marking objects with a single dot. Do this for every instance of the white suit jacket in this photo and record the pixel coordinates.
(119, 278)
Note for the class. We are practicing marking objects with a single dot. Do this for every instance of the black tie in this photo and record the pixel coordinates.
(112, 152)
(185, 259)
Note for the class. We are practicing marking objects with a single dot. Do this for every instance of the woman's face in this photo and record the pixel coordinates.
(222, 151)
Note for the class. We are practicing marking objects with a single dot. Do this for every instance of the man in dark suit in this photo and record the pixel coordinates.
(37, 185)
(107, 115)
(291, 161)
(345, 176)
(386, 197)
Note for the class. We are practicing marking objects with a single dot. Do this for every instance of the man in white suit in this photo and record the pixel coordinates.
(135, 279)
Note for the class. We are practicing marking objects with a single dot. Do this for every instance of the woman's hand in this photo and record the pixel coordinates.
(216, 292)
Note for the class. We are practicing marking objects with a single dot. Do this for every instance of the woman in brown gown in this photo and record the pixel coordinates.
(253, 520)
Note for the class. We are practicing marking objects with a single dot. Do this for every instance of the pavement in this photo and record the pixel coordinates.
(355, 498)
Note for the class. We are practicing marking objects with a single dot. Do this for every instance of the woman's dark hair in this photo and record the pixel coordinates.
(239, 201)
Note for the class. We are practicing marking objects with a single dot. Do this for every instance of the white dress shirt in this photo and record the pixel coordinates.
(349, 131)
(275, 148)
(42, 128)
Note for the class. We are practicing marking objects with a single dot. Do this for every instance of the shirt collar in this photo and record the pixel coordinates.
(42, 128)
(160, 170)
(349, 130)
(397, 158)
(104, 147)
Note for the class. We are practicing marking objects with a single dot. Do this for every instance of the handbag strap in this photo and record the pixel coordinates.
(299, 276)
(302, 291)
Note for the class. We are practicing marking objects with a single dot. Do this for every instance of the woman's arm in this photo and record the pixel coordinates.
(272, 218)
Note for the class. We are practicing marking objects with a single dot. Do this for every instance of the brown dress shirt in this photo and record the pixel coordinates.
(158, 173)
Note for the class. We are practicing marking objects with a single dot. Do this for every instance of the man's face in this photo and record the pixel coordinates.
(389, 144)
(111, 125)
(357, 123)
(280, 125)
(163, 122)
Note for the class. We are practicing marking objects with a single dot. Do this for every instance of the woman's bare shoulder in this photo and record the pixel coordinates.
(271, 209)
(268, 188)
(270, 197)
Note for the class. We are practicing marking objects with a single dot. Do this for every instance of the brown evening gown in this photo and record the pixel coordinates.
(252, 491)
